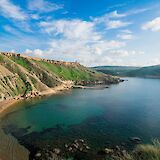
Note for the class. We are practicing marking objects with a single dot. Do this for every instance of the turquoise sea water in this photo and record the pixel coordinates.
(102, 117)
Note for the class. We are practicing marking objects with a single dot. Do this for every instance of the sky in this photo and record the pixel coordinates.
(92, 32)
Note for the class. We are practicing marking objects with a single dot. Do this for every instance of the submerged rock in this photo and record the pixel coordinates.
(57, 151)
(135, 139)
(77, 145)
(38, 154)
(108, 151)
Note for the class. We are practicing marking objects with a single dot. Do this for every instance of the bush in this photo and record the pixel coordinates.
(142, 152)
(148, 152)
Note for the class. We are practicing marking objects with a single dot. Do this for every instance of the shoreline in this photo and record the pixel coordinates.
(66, 85)
(8, 103)
(91, 87)
(5, 104)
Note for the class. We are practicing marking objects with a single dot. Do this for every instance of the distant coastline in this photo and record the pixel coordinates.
(131, 71)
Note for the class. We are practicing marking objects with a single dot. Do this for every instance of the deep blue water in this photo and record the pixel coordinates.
(102, 117)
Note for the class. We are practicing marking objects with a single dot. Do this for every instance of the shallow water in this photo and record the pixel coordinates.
(103, 117)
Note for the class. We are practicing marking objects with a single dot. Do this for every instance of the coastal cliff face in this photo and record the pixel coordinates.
(22, 76)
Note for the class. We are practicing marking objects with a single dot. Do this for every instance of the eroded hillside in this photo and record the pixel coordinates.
(21, 75)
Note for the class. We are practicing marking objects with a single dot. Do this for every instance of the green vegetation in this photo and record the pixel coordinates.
(143, 152)
(151, 71)
(67, 72)
(21, 61)
(116, 70)
(21, 75)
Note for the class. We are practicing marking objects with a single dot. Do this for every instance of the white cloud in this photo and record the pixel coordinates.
(10, 10)
(107, 17)
(74, 47)
(125, 53)
(78, 40)
(10, 29)
(43, 6)
(126, 31)
(114, 24)
(111, 20)
(115, 14)
(71, 29)
(87, 57)
(77, 36)
(125, 36)
(153, 61)
(35, 16)
(36, 52)
(139, 10)
(153, 25)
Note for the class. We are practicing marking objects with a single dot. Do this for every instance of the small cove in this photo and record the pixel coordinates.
(103, 117)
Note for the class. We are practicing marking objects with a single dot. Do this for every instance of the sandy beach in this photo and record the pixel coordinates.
(4, 105)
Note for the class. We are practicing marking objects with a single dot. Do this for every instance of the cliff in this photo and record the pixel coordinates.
(26, 76)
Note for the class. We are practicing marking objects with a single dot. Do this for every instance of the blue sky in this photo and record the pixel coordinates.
(92, 32)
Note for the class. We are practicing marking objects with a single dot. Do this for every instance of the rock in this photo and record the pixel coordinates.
(87, 147)
(38, 155)
(70, 149)
(81, 140)
(81, 149)
(135, 139)
(66, 145)
(76, 141)
(124, 152)
(53, 157)
(57, 151)
(108, 150)
(76, 145)
(117, 148)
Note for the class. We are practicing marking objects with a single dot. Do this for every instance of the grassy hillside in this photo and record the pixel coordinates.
(116, 70)
(20, 75)
(151, 71)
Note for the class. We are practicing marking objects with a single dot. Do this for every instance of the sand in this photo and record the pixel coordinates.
(4, 105)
